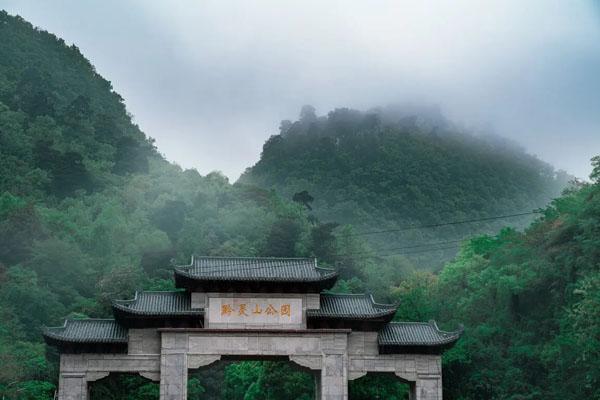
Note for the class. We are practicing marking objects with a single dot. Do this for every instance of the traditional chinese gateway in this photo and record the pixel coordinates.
(240, 308)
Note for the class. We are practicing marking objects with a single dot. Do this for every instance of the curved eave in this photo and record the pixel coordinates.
(382, 311)
(193, 282)
(53, 336)
(385, 315)
(438, 343)
(78, 347)
(119, 307)
(446, 341)
(58, 338)
(329, 274)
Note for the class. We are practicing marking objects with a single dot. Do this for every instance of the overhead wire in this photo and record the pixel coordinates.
(466, 221)
(400, 248)
(243, 265)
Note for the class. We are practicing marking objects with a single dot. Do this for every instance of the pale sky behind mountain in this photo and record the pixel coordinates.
(210, 80)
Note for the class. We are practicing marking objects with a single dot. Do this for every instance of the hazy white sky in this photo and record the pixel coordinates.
(210, 80)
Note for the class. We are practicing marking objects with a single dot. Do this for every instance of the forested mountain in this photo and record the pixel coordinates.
(90, 211)
(530, 303)
(402, 166)
(63, 128)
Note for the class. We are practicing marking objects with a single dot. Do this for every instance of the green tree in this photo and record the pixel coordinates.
(303, 198)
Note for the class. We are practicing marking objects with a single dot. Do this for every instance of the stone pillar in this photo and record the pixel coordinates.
(173, 367)
(72, 386)
(427, 388)
(412, 390)
(317, 377)
(173, 377)
(334, 377)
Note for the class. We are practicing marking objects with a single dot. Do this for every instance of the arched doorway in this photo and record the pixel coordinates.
(256, 378)
(123, 386)
(373, 386)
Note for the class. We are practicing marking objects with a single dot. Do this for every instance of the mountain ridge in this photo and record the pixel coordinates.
(90, 211)
(381, 169)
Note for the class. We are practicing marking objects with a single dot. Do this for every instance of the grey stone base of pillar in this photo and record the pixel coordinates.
(72, 386)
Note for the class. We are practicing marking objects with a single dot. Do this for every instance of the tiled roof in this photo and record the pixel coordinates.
(88, 331)
(159, 304)
(255, 269)
(415, 334)
(351, 306)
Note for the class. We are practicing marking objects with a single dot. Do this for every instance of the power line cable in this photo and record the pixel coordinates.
(220, 268)
(466, 221)
(417, 252)
(243, 264)
(400, 248)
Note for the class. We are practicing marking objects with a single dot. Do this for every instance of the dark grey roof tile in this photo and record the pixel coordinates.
(88, 331)
(415, 334)
(255, 269)
(158, 303)
(351, 306)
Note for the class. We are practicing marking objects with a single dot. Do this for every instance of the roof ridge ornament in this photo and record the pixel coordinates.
(460, 328)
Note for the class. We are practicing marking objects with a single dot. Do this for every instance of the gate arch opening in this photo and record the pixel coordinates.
(256, 377)
(123, 385)
(379, 386)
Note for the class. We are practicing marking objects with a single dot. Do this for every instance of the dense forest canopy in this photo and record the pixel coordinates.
(531, 303)
(400, 166)
(90, 211)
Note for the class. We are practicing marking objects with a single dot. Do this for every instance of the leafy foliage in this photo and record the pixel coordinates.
(257, 380)
(378, 386)
(90, 211)
(387, 169)
(529, 301)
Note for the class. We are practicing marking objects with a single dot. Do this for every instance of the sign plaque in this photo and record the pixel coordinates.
(255, 311)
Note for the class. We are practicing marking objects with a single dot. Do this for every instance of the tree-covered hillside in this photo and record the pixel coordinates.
(530, 303)
(90, 211)
(397, 167)
(63, 127)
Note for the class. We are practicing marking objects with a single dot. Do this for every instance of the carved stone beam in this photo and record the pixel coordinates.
(201, 360)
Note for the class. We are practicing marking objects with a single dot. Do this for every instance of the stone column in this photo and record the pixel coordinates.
(427, 388)
(317, 377)
(334, 377)
(72, 386)
(412, 390)
(173, 377)
(173, 367)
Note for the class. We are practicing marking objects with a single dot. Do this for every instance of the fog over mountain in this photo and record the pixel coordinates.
(211, 80)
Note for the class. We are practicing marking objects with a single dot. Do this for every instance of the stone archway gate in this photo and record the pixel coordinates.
(161, 335)
(335, 356)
